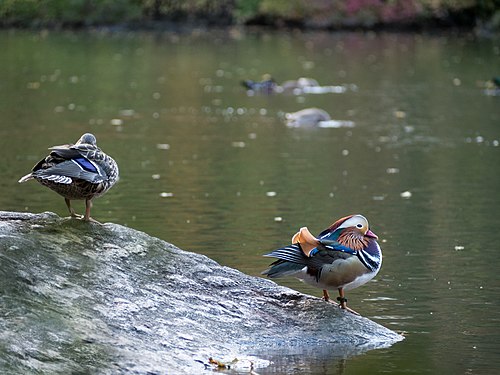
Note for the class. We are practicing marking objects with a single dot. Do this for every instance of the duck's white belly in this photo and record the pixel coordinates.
(346, 273)
(360, 280)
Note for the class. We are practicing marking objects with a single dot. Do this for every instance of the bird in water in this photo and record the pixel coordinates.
(344, 256)
(492, 87)
(306, 118)
(266, 86)
(77, 172)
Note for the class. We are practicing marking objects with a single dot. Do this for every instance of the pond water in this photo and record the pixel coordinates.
(214, 170)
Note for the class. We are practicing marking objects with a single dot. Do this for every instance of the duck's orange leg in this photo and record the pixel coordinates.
(326, 296)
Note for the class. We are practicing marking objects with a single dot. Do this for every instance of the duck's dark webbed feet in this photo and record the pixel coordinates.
(342, 302)
(343, 305)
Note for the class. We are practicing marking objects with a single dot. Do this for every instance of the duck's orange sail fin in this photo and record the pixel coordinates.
(306, 240)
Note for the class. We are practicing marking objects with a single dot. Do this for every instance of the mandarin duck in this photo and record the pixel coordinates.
(492, 87)
(79, 171)
(344, 256)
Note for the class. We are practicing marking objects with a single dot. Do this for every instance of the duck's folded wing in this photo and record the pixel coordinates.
(290, 260)
(65, 152)
(79, 168)
(293, 258)
(77, 150)
(291, 253)
(337, 246)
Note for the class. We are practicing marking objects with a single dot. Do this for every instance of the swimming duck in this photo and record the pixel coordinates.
(297, 86)
(306, 117)
(344, 256)
(79, 171)
(266, 86)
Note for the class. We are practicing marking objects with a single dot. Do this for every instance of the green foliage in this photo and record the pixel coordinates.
(246, 9)
(288, 9)
(220, 11)
(316, 13)
(19, 11)
(494, 21)
(68, 12)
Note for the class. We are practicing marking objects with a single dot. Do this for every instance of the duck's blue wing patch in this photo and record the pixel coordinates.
(86, 165)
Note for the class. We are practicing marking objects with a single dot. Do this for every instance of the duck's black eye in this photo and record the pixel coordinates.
(359, 225)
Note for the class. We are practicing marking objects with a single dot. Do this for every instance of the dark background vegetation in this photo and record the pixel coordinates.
(319, 14)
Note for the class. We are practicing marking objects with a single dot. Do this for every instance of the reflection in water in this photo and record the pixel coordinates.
(212, 170)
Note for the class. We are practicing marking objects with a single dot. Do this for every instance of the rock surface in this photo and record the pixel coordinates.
(80, 297)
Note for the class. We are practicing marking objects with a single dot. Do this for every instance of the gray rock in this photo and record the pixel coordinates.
(80, 297)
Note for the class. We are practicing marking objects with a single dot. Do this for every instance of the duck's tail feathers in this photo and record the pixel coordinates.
(28, 177)
(291, 253)
(291, 259)
(248, 84)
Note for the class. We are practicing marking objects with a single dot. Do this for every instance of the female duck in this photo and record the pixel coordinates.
(79, 171)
